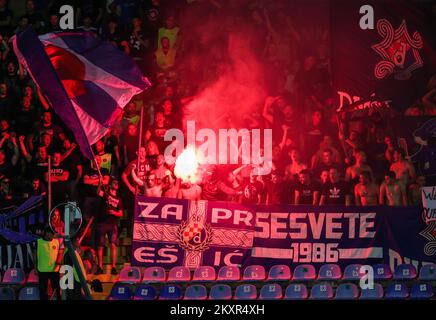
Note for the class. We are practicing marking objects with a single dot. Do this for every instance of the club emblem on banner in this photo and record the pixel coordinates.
(394, 49)
(194, 236)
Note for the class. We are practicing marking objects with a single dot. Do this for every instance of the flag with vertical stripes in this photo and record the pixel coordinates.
(87, 81)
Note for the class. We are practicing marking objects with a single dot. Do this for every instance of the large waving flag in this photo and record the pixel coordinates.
(86, 81)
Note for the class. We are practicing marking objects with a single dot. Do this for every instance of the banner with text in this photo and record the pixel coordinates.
(174, 232)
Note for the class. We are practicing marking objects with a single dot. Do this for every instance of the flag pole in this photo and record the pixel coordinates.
(49, 184)
(141, 118)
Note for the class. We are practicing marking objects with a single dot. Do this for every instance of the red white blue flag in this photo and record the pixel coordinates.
(86, 81)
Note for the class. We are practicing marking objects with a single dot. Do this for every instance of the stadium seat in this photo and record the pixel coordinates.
(329, 272)
(397, 291)
(14, 276)
(296, 291)
(347, 291)
(130, 275)
(272, 291)
(204, 274)
(382, 272)
(220, 292)
(145, 292)
(405, 272)
(7, 293)
(179, 274)
(246, 292)
(428, 272)
(304, 272)
(372, 294)
(321, 291)
(352, 272)
(171, 292)
(279, 273)
(154, 275)
(196, 292)
(421, 291)
(229, 274)
(254, 273)
(29, 293)
(33, 277)
(121, 291)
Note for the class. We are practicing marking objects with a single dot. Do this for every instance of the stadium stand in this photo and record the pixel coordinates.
(406, 282)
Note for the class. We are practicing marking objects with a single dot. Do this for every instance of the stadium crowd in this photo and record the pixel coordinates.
(320, 157)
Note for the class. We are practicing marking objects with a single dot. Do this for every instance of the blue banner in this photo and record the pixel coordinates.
(16, 238)
(173, 232)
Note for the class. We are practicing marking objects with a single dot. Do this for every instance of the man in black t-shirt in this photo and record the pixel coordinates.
(336, 191)
(91, 180)
(157, 132)
(252, 190)
(307, 191)
(59, 175)
(107, 223)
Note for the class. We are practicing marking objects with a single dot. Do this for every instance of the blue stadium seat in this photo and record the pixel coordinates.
(145, 292)
(14, 276)
(321, 291)
(229, 273)
(372, 294)
(179, 274)
(196, 292)
(154, 275)
(329, 272)
(347, 291)
(271, 291)
(204, 274)
(254, 273)
(171, 292)
(7, 293)
(220, 292)
(246, 292)
(121, 291)
(397, 291)
(33, 277)
(405, 272)
(421, 291)
(296, 291)
(29, 293)
(130, 275)
(382, 272)
(279, 272)
(428, 272)
(352, 272)
(304, 272)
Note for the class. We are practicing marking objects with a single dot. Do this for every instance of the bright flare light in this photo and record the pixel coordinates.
(187, 165)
